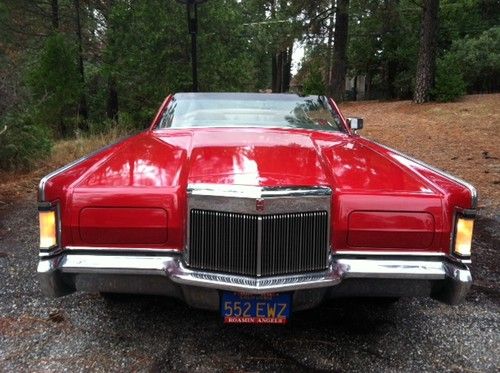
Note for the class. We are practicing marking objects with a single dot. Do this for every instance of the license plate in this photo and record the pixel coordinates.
(237, 308)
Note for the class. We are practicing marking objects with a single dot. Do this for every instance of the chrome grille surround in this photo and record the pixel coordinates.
(279, 231)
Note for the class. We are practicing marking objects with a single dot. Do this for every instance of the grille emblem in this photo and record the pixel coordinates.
(259, 204)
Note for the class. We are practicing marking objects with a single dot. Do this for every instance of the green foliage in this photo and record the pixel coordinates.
(125, 124)
(313, 82)
(472, 62)
(383, 45)
(148, 54)
(461, 18)
(384, 39)
(479, 59)
(312, 73)
(450, 84)
(23, 141)
(226, 56)
(55, 85)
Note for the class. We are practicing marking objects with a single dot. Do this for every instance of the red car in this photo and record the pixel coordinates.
(255, 205)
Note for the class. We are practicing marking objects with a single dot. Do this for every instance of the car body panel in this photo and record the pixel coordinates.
(114, 225)
(391, 229)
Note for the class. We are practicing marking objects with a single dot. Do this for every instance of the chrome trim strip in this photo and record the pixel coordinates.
(144, 250)
(251, 191)
(319, 129)
(255, 285)
(421, 254)
(472, 189)
(259, 246)
(387, 253)
(46, 178)
(172, 267)
(242, 198)
(44, 253)
(408, 269)
(108, 250)
(100, 264)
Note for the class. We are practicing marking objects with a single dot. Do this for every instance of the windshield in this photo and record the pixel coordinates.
(249, 110)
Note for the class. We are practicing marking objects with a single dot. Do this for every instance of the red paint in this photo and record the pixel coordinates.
(124, 225)
(152, 171)
(387, 229)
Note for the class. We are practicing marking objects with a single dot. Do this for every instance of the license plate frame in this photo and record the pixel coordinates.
(243, 308)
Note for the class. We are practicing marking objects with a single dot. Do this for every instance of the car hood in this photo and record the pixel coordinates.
(264, 157)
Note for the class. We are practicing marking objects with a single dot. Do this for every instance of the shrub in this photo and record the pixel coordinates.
(23, 142)
(450, 84)
(479, 60)
(55, 84)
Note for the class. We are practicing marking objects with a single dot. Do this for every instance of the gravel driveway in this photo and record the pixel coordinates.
(83, 331)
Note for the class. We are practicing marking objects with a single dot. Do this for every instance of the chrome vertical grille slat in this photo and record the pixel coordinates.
(258, 245)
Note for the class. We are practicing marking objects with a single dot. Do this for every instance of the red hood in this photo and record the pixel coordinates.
(267, 157)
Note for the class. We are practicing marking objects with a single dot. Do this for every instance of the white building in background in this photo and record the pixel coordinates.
(356, 87)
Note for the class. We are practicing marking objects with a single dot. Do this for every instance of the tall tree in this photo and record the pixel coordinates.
(337, 88)
(55, 14)
(282, 56)
(330, 30)
(426, 65)
(54, 83)
(283, 27)
(281, 70)
(110, 21)
(82, 108)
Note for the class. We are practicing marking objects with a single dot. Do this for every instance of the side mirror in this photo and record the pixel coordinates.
(355, 123)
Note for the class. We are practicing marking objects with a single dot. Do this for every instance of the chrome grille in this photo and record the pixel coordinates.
(258, 245)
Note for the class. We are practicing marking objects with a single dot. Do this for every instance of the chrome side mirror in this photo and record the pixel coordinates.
(355, 123)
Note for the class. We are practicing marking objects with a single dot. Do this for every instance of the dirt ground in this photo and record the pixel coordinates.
(84, 332)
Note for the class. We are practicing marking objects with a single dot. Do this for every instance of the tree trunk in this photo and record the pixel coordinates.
(329, 89)
(82, 107)
(282, 65)
(390, 64)
(426, 64)
(282, 58)
(340, 50)
(55, 14)
(277, 72)
(112, 104)
(368, 85)
(274, 73)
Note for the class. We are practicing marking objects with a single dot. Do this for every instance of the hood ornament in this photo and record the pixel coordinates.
(259, 204)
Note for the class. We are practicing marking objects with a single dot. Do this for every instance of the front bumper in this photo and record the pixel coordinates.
(165, 274)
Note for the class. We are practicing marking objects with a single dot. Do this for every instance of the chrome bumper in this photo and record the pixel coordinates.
(437, 277)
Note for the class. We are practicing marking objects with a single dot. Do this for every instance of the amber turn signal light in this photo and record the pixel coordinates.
(463, 236)
(48, 229)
